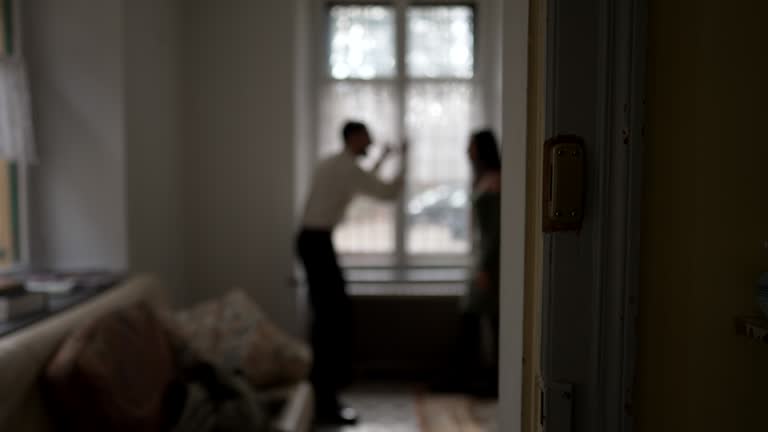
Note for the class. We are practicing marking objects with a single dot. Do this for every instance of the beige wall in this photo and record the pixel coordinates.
(705, 217)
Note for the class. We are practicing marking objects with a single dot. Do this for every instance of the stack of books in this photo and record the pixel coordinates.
(17, 302)
(52, 284)
(58, 283)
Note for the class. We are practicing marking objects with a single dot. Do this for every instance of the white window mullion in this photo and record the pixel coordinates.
(401, 84)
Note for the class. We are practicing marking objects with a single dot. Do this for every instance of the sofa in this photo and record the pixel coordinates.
(25, 353)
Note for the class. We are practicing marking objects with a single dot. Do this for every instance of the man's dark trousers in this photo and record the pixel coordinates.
(332, 326)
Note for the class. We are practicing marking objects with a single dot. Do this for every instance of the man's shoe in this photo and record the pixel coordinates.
(343, 416)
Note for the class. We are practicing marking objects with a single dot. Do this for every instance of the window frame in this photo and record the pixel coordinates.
(7, 29)
(14, 176)
(13, 206)
(400, 258)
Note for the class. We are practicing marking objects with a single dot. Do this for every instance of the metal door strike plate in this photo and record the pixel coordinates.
(563, 183)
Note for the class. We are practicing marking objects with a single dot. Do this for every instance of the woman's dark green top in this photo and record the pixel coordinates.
(486, 209)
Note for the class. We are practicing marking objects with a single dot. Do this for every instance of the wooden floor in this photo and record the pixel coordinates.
(406, 408)
(455, 413)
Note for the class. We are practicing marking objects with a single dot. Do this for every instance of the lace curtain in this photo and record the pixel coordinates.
(369, 226)
(439, 119)
(439, 116)
(16, 137)
(439, 105)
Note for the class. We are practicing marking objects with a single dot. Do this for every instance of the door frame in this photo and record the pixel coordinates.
(610, 277)
(514, 50)
(619, 249)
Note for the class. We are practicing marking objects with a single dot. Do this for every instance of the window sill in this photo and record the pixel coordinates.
(447, 281)
(374, 261)
(390, 290)
(407, 282)
(409, 275)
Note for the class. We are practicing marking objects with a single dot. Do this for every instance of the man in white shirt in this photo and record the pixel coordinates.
(337, 180)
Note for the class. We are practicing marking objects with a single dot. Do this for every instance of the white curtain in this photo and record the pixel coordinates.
(439, 117)
(16, 133)
(369, 226)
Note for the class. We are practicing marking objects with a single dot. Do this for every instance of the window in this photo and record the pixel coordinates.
(9, 214)
(406, 71)
(15, 139)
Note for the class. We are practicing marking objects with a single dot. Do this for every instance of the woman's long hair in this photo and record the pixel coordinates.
(488, 156)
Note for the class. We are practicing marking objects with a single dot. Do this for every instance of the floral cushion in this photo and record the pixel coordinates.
(234, 333)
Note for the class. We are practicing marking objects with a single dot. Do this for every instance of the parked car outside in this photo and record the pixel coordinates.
(445, 205)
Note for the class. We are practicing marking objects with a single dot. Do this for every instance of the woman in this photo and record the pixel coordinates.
(481, 303)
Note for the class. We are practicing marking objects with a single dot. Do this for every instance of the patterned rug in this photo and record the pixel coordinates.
(455, 413)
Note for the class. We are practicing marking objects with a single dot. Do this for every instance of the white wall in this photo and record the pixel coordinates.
(304, 100)
(491, 52)
(153, 148)
(304, 145)
(514, 118)
(166, 135)
(106, 191)
(75, 54)
(238, 135)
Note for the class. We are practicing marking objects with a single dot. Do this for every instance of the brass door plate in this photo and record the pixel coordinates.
(563, 201)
